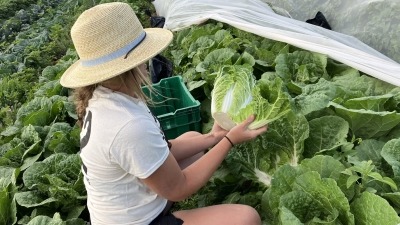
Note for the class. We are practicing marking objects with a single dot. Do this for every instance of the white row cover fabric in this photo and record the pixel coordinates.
(374, 22)
(257, 17)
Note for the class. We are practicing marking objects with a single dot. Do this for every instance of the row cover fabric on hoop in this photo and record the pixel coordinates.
(257, 17)
(374, 22)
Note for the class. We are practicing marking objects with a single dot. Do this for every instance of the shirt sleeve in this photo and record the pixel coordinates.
(140, 147)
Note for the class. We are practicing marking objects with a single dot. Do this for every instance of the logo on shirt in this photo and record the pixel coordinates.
(86, 129)
(159, 125)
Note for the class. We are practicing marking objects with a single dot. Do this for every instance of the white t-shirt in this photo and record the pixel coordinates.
(121, 141)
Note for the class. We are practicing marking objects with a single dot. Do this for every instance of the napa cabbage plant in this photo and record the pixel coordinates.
(237, 95)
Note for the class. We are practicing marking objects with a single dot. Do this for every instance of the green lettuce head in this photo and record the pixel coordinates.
(237, 95)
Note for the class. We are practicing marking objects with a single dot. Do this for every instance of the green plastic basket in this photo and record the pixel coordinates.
(174, 106)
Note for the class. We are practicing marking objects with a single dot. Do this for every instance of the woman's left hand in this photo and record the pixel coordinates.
(218, 132)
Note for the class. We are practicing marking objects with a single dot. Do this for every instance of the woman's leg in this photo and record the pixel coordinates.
(232, 214)
(186, 162)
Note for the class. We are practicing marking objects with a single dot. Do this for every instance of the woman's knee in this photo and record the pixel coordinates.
(249, 216)
(189, 134)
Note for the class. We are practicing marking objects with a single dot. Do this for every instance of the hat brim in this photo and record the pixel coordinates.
(156, 40)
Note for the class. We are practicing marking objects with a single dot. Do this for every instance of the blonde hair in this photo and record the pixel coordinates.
(82, 95)
(140, 80)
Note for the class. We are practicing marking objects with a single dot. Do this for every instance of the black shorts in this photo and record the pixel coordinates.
(166, 217)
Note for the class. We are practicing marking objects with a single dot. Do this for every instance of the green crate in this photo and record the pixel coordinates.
(174, 106)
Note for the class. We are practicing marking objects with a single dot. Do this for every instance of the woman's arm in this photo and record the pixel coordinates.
(191, 143)
(175, 184)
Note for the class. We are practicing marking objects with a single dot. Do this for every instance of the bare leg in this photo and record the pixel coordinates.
(232, 214)
(186, 162)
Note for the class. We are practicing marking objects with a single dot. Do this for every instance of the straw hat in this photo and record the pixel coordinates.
(110, 40)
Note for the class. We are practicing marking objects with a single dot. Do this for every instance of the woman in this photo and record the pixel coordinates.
(131, 172)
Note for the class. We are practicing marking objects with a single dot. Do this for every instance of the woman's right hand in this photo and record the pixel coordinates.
(241, 133)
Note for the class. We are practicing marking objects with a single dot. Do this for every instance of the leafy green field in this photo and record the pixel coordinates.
(39, 166)
(333, 159)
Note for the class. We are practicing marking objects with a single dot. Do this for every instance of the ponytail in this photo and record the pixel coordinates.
(82, 96)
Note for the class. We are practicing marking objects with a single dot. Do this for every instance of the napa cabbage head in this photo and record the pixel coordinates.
(237, 95)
